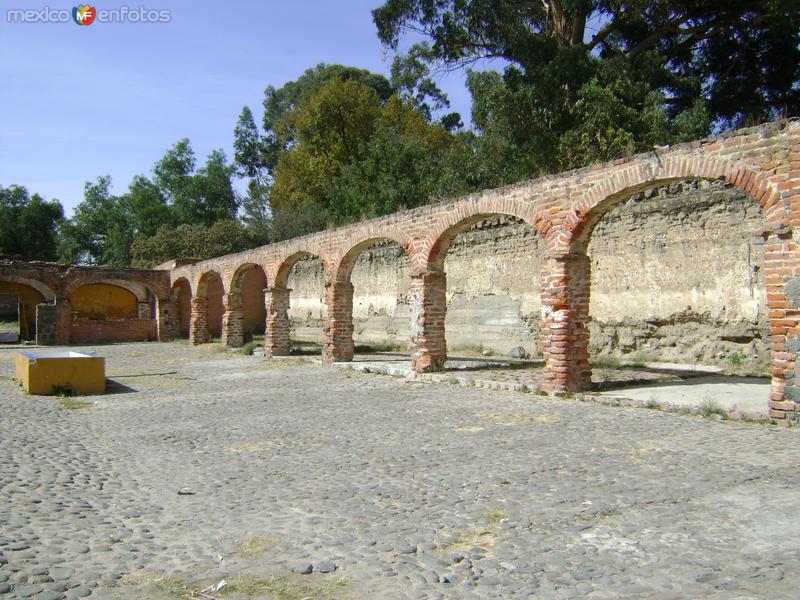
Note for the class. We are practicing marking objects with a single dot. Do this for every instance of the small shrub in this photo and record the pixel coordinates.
(496, 515)
(652, 405)
(709, 408)
(736, 359)
(62, 391)
(249, 347)
(605, 362)
(379, 347)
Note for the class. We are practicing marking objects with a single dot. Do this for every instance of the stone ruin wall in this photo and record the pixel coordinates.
(676, 275)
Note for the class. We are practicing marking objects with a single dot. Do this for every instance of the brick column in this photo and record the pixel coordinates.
(143, 310)
(276, 337)
(565, 316)
(198, 326)
(166, 319)
(338, 335)
(63, 321)
(233, 322)
(428, 299)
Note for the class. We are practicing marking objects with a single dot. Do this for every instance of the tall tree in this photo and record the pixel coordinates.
(99, 231)
(247, 147)
(612, 76)
(212, 195)
(281, 103)
(356, 157)
(28, 224)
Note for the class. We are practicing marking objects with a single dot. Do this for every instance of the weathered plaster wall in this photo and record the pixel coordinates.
(676, 274)
(103, 301)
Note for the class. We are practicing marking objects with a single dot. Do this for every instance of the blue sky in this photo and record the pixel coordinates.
(83, 101)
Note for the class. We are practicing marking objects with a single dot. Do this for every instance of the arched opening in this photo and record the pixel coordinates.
(678, 299)
(181, 296)
(483, 277)
(211, 290)
(103, 302)
(302, 275)
(378, 271)
(18, 303)
(111, 312)
(249, 282)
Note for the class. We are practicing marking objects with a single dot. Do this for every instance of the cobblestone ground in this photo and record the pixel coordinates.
(383, 488)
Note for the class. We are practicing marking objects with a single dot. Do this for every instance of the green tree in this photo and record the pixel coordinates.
(611, 77)
(186, 240)
(28, 224)
(212, 194)
(332, 128)
(146, 206)
(402, 166)
(247, 147)
(281, 103)
(200, 197)
(357, 157)
(99, 231)
(173, 174)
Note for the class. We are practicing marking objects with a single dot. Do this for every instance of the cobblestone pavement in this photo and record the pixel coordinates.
(383, 488)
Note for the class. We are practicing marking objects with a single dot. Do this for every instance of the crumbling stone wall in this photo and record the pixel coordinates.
(563, 208)
(677, 275)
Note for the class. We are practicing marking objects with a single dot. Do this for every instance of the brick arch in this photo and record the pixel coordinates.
(48, 294)
(235, 283)
(180, 281)
(466, 214)
(284, 268)
(344, 267)
(581, 216)
(181, 296)
(208, 308)
(201, 286)
(138, 289)
(566, 287)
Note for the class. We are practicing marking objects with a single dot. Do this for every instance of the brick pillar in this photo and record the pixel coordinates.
(338, 335)
(167, 319)
(276, 337)
(233, 322)
(143, 310)
(63, 321)
(198, 326)
(565, 316)
(428, 299)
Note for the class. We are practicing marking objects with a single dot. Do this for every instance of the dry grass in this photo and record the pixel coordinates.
(287, 588)
(73, 404)
(252, 447)
(284, 362)
(508, 420)
(255, 546)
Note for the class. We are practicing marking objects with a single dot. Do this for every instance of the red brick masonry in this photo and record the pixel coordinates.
(764, 161)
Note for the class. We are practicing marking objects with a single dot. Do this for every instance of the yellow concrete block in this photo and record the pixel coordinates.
(52, 372)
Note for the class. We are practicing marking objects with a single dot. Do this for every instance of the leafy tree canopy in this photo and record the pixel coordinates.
(355, 156)
(594, 79)
(197, 241)
(28, 224)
